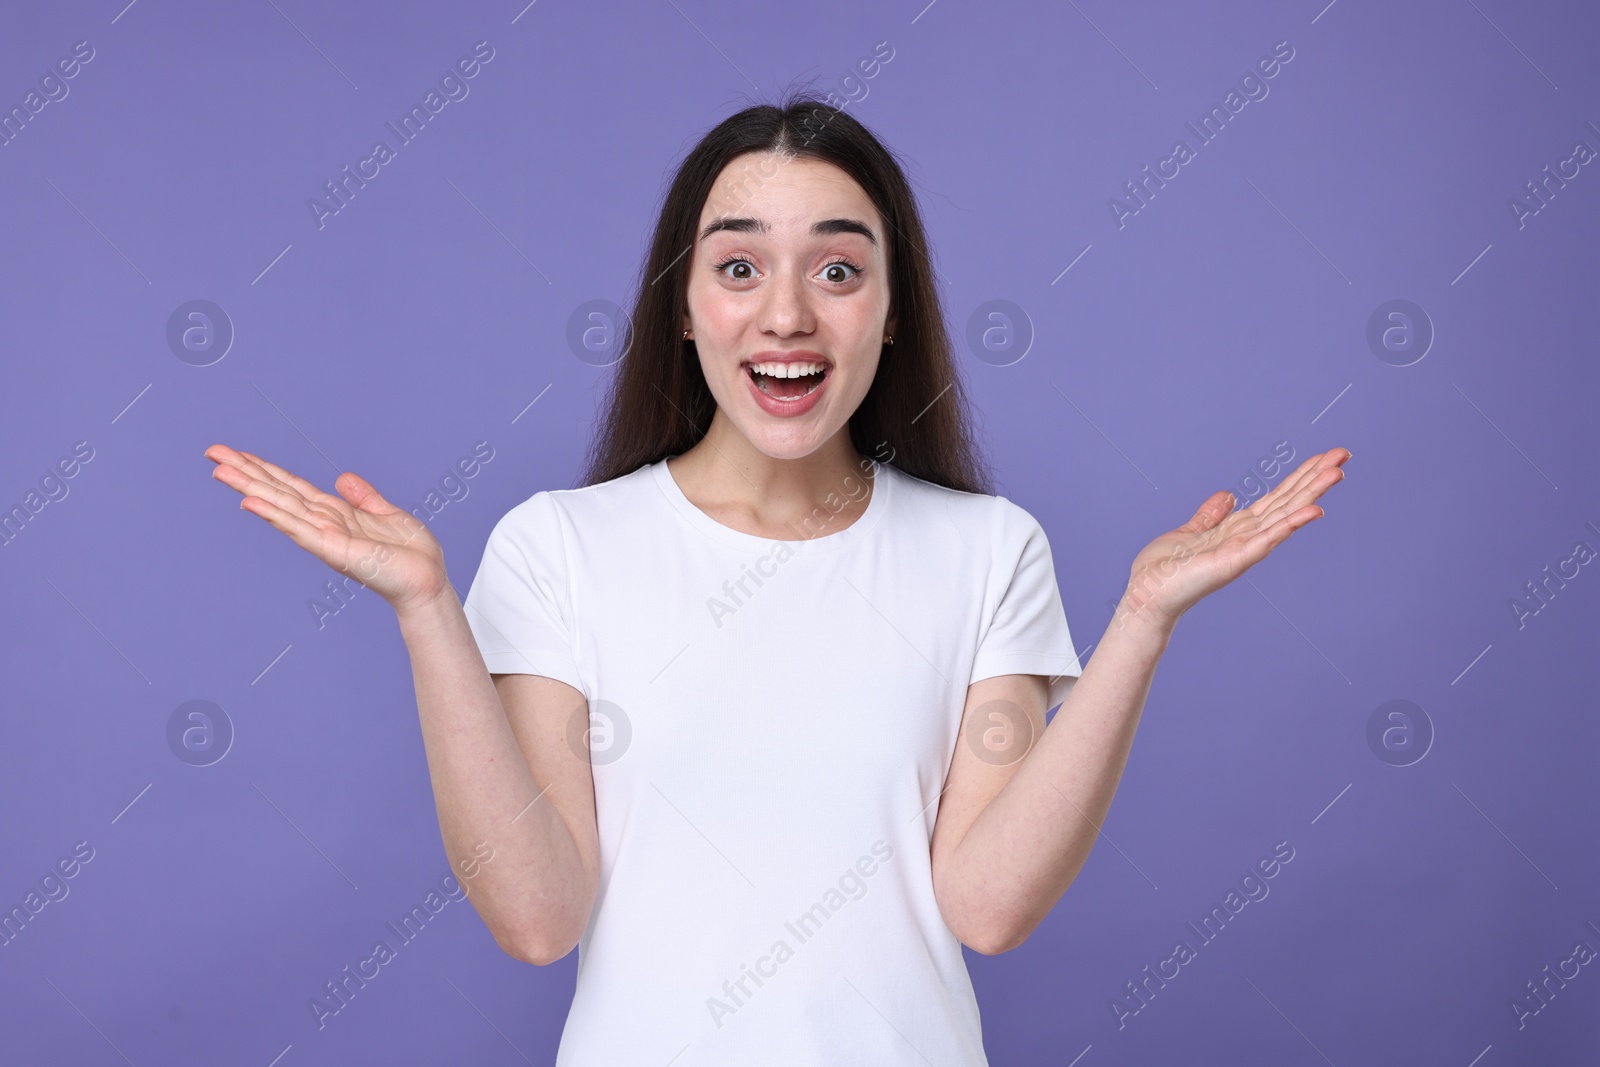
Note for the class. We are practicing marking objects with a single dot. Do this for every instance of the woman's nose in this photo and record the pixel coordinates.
(787, 306)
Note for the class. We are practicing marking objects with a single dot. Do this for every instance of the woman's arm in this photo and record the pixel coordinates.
(515, 802)
(1014, 829)
(1012, 834)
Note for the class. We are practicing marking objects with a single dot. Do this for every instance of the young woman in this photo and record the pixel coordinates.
(756, 716)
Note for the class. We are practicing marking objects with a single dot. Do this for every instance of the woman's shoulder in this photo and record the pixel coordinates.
(982, 512)
(583, 505)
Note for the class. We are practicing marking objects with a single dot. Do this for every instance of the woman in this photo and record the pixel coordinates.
(783, 704)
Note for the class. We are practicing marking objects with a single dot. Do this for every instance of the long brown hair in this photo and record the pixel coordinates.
(915, 412)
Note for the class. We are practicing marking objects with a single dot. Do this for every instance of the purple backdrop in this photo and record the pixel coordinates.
(1388, 244)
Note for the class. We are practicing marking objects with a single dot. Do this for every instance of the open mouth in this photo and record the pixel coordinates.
(787, 381)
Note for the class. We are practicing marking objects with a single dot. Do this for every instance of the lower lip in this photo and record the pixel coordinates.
(785, 408)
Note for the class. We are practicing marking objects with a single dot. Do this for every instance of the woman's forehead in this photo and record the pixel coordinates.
(784, 195)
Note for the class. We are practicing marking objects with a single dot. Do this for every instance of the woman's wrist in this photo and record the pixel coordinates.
(1138, 618)
(430, 611)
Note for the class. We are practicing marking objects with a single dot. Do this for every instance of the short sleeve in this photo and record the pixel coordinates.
(1026, 633)
(519, 606)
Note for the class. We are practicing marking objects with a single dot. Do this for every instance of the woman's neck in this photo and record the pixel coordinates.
(738, 485)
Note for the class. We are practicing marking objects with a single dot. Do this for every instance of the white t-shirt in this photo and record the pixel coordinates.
(772, 725)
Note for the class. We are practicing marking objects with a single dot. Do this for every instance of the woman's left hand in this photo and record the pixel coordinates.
(1177, 569)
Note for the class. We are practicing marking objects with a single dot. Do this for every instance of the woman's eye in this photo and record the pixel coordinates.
(744, 271)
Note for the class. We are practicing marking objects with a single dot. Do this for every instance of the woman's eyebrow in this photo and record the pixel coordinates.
(824, 227)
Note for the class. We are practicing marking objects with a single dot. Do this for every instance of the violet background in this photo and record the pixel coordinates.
(1228, 315)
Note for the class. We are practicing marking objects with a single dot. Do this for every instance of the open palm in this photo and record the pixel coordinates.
(1218, 544)
(358, 533)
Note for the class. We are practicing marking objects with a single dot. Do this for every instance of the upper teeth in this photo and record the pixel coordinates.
(786, 370)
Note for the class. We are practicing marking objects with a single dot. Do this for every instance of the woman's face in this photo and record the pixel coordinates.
(789, 273)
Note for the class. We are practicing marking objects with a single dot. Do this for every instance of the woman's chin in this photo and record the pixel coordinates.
(787, 440)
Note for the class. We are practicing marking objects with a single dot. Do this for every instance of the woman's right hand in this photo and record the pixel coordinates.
(386, 548)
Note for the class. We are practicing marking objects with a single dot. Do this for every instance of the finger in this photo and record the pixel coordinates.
(298, 530)
(224, 454)
(244, 462)
(303, 487)
(1307, 494)
(1289, 484)
(250, 485)
(251, 466)
(1302, 474)
(1213, 510)
(360, 493)
(1270, 537)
